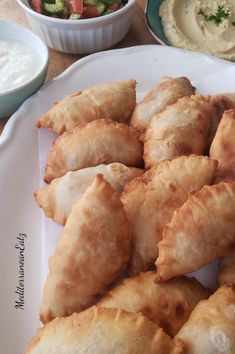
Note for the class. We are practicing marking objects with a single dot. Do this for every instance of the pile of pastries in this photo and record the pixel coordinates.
(145, 194)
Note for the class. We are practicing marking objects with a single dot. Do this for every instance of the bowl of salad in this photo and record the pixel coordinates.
(79, 26)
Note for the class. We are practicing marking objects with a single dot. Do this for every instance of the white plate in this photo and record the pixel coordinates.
(20, 168)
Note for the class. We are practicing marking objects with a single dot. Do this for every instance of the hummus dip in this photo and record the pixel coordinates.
(201, 25)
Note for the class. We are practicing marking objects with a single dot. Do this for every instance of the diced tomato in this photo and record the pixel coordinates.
(90, 11)
(37, 5)
(113, 7)
(75, 6)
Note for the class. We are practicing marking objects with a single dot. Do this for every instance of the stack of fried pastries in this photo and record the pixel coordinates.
(145, 193)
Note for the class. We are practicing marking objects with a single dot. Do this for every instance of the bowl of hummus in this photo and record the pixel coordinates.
(197, 25)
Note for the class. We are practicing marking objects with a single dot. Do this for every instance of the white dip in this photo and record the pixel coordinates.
(18, 64)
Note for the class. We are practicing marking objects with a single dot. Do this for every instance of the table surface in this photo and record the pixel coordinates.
(58, 62)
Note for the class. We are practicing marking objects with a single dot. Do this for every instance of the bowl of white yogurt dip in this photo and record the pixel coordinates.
(23, 65)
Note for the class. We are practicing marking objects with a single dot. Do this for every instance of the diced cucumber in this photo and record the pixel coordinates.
(91, 2)
(58, 7)
(110, 2)
(100, 7)
(75, 16)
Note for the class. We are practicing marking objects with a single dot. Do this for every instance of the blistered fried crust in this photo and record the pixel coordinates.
(91, 253)
(92, 144)
(167, 92)
(111, 100)
(211, 326)
(227, 269)
(167, 304)
(183, 128)
(103, 331)
(223, 147)
(202, 230)
(151, 199)
(58, 197)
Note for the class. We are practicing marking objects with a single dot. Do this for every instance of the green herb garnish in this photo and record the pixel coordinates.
(218, 16)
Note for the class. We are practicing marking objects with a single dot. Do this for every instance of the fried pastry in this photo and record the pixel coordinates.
(91, 253)
(92, 144)
(202, 230)
(58, 197)
(183, 128)
(103, 331)
(227, 269)
(151, 199)
(220, 104)
(211, 326)
(168, 91)
(223, 102)
(223, 147)
(167, 304)
(111, 100)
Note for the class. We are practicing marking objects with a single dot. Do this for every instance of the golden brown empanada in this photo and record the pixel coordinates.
(227, 269)
(223, 147)
(223, 102)
(220, 104)
(168, 304)
(58, 197)
(168, 91)
(111, 100)
(103, 331)
(211, 326)
(92, 144)
(202, 230)
(91, 253)
(183, 128)
(151, 199)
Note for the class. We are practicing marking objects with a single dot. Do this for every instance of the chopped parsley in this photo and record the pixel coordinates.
(220, 14)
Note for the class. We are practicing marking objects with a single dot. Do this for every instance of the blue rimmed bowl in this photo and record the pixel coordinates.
(153, 21)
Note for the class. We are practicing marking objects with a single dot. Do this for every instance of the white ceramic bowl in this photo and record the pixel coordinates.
(81, 36)
(11, 99)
